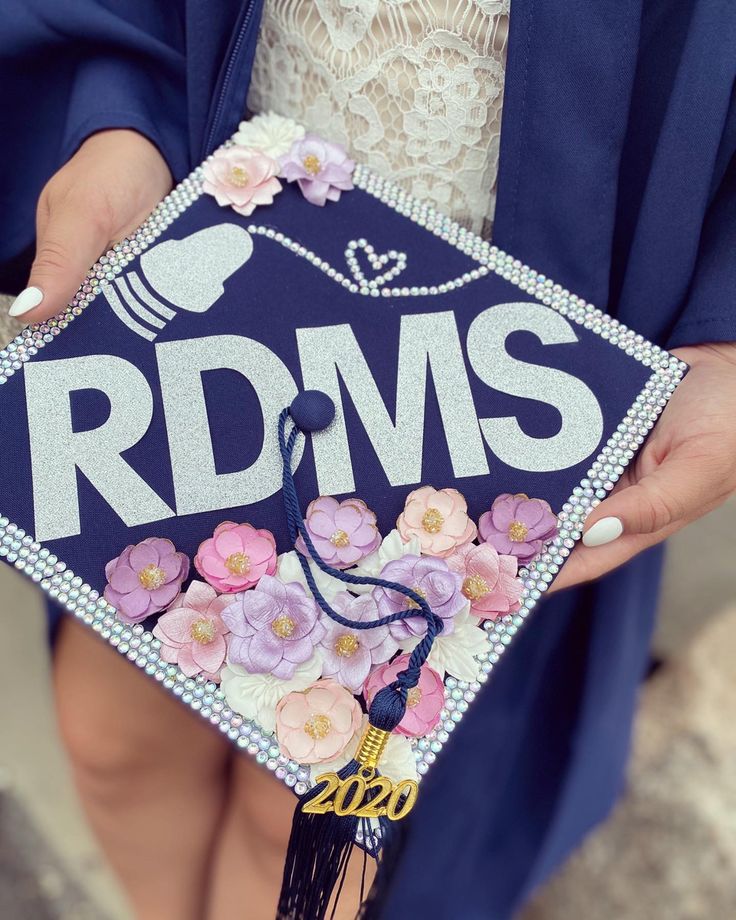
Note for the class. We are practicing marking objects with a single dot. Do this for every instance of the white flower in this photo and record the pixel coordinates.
(392, 547)
(255, 696)
(270, 133)
(397, 761)
(289, 569)
(457, 653)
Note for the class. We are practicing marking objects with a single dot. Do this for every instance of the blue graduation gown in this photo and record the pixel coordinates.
(618, 179)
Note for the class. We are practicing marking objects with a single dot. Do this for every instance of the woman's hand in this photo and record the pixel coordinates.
(686, 468)
(104, 192)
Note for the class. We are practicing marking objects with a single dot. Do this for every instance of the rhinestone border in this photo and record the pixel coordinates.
(207, 699)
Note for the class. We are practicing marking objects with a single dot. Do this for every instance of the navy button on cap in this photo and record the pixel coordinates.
(312, 410)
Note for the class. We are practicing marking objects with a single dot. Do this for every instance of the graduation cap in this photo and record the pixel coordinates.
(309, 453)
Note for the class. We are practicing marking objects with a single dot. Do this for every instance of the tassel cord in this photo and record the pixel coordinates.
(409, 677)
(320, 844)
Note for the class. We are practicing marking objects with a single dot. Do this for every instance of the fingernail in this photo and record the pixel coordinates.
(25, 301)
(604, 531)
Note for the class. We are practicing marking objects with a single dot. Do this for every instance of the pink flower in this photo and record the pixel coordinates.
(236, 556)
(438, 518)
(348, 654)
(274, 628)
(424, 702)
(323, 170)
(315, 725)
(518, 526)
(192, 631)
(342, 532)
(145, 578)
(242, 178)
(489, 580)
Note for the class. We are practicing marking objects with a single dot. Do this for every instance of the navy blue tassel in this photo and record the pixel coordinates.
(317, 858)
(320, 845)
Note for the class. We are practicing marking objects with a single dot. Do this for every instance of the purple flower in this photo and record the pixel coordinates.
(518, 526)
(322, 170)
(274, 628)
(433, 580)
(349, 654)
(343, 533)
(145, 578)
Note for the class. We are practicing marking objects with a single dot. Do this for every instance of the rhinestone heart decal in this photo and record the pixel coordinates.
(377, 261)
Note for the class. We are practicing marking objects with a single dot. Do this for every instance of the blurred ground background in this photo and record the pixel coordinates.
(668, 851)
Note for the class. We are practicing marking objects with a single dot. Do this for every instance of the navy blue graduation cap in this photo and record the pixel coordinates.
(375, 436)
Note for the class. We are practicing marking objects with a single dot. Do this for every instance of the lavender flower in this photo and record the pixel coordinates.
(349, 654)
(518, 526)
(145, 578)
(274, 628)
(433, 580)
(322, 170)
(342, 532)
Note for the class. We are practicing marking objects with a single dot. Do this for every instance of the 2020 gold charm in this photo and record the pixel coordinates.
(365, 794)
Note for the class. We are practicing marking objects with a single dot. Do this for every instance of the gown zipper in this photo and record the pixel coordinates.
(246, 16)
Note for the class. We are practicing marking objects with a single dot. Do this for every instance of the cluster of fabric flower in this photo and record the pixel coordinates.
(254, 624)
(269, 147)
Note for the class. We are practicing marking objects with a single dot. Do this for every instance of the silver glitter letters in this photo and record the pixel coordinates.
(425, 338)
(197, 485)
(57, 451)
(582, 421)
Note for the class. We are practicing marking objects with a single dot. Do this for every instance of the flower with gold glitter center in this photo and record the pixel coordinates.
(518, 531)
(238, 564)
(203, 631)
(283, 626)
(312, 164)
(318, 726)
(346, 645)
(239, 177)
(433, 520)
(152, 577)
(475, 587)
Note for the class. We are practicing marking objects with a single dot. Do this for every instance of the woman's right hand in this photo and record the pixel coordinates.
(104, 192)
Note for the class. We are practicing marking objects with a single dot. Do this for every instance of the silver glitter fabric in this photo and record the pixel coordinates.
(197, 484)
(582, 420)
(57, 451)
(330, 354)
(27, 554)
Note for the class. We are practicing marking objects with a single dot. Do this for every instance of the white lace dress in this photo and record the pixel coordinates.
(413, 89)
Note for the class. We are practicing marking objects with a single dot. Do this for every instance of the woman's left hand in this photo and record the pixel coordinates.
(686, 468)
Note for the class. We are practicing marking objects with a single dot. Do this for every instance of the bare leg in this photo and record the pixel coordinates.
(151, 775)
(251, 847)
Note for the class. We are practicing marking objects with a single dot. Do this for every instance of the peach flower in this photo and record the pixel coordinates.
(242, 178)
(236, 556)
(489, 580)
(438, 518)
(315, 725)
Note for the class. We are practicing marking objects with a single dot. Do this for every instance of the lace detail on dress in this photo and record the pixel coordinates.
(413, 88)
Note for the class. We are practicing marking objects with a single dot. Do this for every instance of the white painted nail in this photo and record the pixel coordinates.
(25, 301)
(604, 531)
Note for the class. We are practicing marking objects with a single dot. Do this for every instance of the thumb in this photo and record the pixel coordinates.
(639, 514)
(69, 241)
(676, 492)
